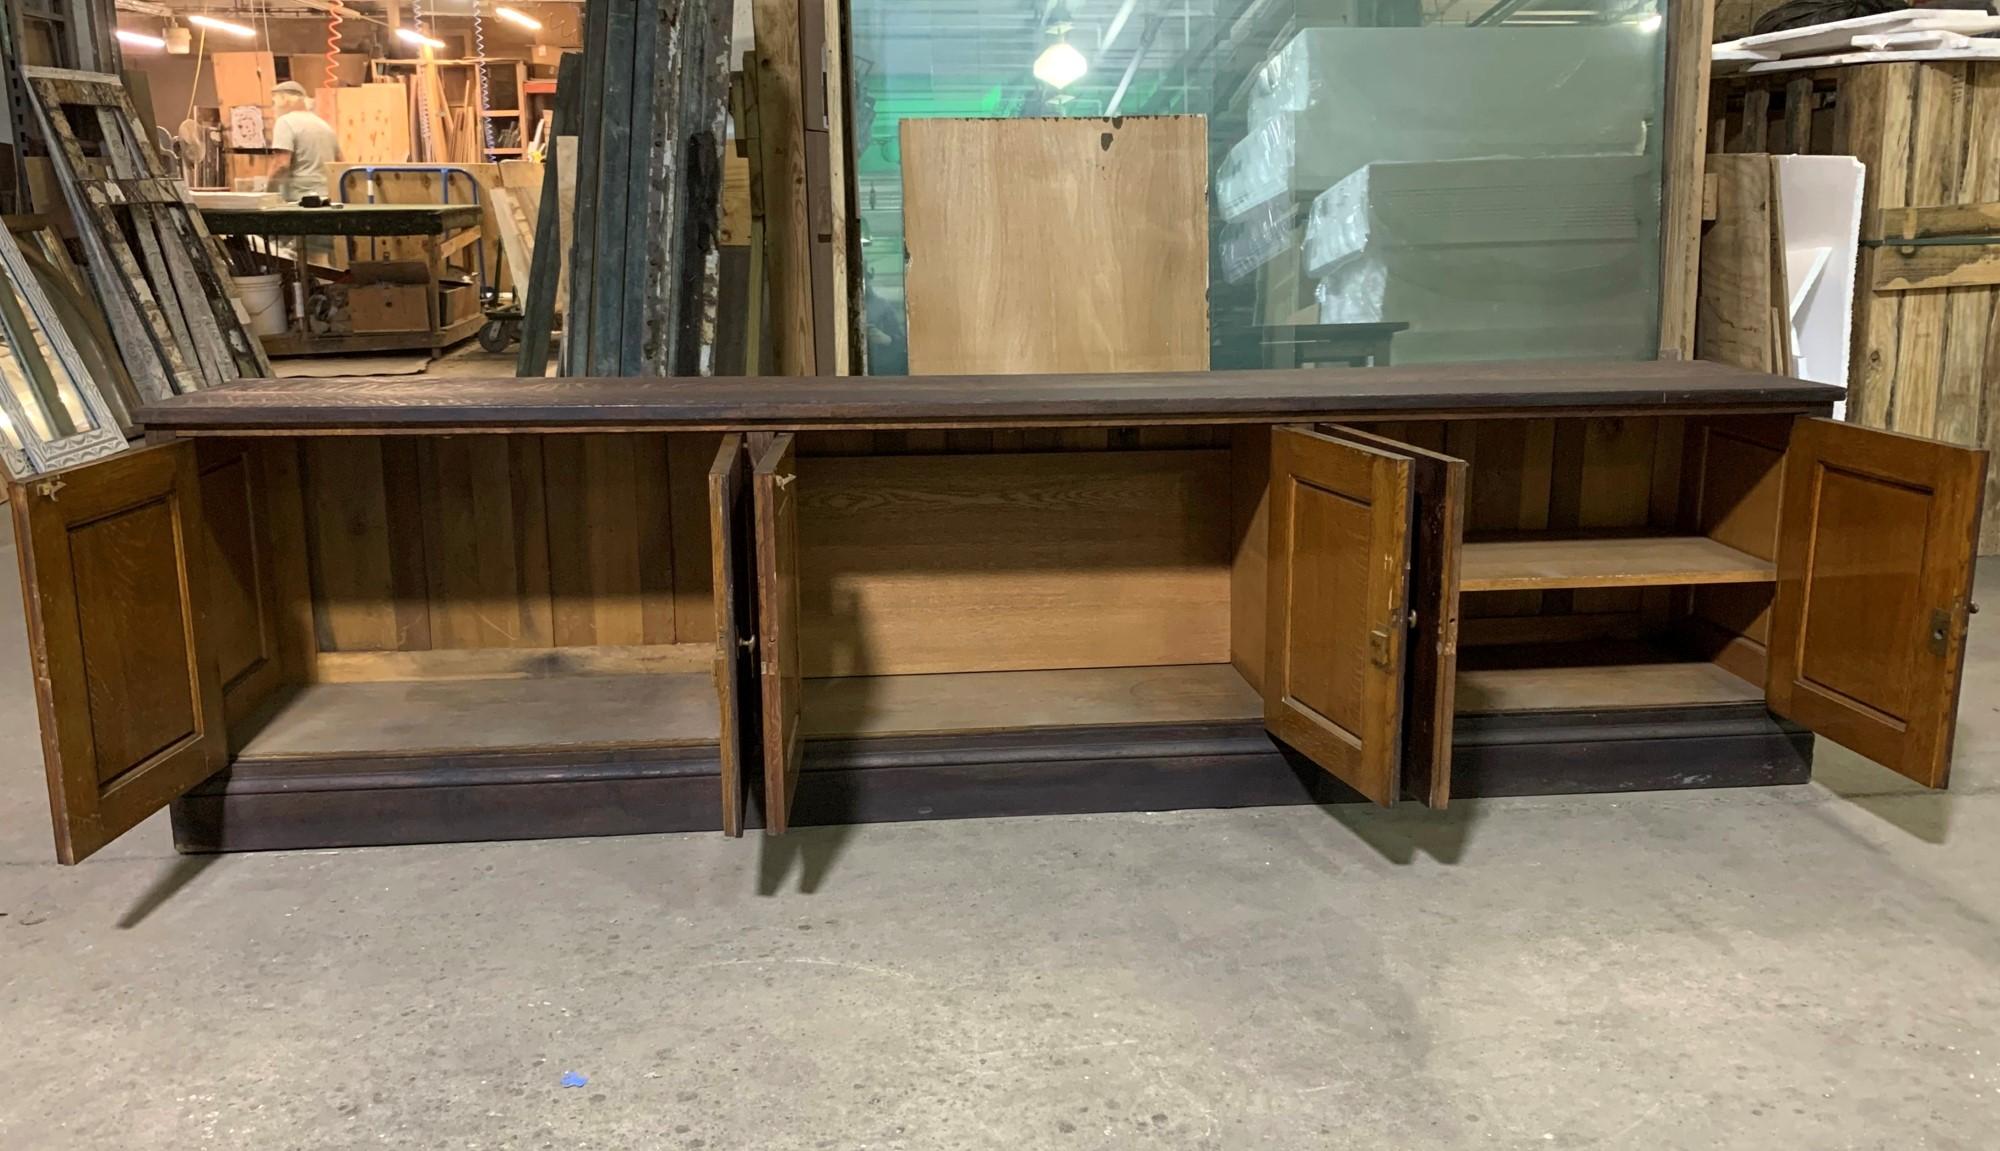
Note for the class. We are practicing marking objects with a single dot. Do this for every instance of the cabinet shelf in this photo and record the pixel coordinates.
(1641, 561)
(1598, 687)
(474, 715)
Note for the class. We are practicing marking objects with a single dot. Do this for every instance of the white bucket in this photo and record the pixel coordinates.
(264, 298)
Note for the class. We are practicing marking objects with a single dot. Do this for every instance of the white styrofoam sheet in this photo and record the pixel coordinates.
(1819, 201)
(1974, 50)
(1821, 39)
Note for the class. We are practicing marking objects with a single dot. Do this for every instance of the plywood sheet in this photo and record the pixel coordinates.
(1041, 245)
(373, 123)
(914, 564)
(243, 77)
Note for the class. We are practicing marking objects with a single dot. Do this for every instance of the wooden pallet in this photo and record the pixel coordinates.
(159, 273)
(1929, 135)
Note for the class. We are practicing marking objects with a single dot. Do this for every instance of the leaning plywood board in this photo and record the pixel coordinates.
(374, 124)
(1074, 245)
(1741, 312)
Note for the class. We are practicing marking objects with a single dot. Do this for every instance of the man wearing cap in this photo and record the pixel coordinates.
(305, 144)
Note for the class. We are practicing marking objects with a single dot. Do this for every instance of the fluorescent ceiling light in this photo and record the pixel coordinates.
(1060, 65)
(514, 17)
(1650, 22)
(418, 38)
(140, 40)
(213, 24)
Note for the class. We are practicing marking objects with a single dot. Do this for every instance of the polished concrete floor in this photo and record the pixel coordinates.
(1812, 967)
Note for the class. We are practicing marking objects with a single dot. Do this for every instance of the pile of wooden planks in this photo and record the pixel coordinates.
(158, 273)
(644, 266)
(1929, 282)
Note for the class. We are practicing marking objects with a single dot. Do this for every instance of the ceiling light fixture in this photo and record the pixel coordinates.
(214, 25)
(1060, 65)
(512, 16)
(418, 38)
(140, 40)
(1650, 22)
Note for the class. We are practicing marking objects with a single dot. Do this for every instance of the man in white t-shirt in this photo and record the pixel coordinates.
(304, 143)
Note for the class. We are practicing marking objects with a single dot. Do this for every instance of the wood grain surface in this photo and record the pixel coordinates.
(1631, 561)
(916, 564)
(1338, 607)
(884, 705)
(419, 403)
(1056, 245)
(114, 579)
(1875, 558)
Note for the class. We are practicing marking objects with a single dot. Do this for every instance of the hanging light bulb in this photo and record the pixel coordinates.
(1060, 65)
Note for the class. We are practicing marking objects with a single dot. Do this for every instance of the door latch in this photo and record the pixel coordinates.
(1378, 647)
(1940, 631)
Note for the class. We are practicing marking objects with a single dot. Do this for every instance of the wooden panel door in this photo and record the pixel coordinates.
(1877, 535)
(1437, 523)
(778, 628)
(114, 579)
(1339, 606)
(729, 531)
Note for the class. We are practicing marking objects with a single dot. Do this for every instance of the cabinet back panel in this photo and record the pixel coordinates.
(1732, 474)
(997, 562)
(449, 543)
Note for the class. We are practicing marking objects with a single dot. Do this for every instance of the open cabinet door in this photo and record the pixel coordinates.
(778, 628)
(1338, 613)
(1876, 540)
(729, 528)
(113, 576)
(1437, 525)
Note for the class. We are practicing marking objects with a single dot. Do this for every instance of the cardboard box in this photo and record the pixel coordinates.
(388, 307)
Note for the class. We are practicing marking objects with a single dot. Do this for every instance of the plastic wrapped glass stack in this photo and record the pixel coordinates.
(1497, 189)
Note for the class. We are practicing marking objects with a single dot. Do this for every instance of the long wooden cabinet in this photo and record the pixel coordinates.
(327, 613)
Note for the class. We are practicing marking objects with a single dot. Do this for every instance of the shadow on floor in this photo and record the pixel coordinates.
(164, 887)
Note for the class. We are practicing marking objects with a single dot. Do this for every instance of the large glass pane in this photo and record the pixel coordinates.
(1390, 180)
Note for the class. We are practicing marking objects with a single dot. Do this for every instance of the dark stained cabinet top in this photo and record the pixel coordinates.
(434, 404)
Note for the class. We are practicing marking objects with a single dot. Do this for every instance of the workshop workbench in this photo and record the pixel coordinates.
(446, 233)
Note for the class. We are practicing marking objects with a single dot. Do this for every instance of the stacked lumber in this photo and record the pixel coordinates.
(644, 267)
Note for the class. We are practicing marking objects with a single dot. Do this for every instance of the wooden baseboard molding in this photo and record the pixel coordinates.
(332, 803)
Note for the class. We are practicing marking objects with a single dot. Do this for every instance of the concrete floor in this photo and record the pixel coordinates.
(1811, 967)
